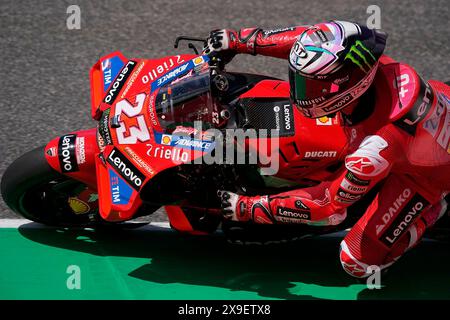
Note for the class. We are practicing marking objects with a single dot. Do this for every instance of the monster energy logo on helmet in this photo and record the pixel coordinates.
(361, 56)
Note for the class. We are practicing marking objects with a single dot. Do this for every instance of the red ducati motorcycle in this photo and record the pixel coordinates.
(144, 152)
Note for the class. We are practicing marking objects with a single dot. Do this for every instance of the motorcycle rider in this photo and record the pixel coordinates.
(399, 131)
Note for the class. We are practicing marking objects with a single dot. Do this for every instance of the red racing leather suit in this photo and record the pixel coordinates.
(406, 148)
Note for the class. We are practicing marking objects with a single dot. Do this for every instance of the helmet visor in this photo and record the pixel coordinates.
(307, 92)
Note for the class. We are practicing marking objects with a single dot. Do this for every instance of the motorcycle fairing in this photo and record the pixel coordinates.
(73, 154)
(101, 75)
(303, 151)
(118, 201)
(138, 137)
(156, 150)
(178, 71)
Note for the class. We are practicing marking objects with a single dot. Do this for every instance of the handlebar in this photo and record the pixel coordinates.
(190, 44)
(215, 60)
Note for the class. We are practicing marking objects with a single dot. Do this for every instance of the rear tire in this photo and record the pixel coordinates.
(33, 189)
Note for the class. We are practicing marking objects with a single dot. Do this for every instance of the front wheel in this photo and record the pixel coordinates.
(31, 188)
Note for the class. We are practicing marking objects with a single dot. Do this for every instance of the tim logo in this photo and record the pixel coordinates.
(115, 190)
(120, 191)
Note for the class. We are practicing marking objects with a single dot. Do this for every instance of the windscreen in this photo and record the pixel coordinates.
(186, 100)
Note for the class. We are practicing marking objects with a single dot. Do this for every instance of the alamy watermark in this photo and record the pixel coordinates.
(73, 281)
(374, 19)
(73, 20)
(227, 146)
(374, 280)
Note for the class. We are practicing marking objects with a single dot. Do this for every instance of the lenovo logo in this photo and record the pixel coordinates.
(119, 82)
(404, 219)
(293, 214)
(66, 153)
(126, 169)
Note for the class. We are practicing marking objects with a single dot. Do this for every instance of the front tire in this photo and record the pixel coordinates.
(33, 189)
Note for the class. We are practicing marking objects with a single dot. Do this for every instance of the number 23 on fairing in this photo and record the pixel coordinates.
(135, 133)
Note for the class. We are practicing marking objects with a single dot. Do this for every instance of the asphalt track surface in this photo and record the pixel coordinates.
(45, 93)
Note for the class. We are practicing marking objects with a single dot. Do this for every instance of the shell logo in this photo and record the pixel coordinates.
(166, 139)
(324, 121)
(78, 206)
(198, 60)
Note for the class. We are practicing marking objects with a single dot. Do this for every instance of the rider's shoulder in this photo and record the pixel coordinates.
(411, 96)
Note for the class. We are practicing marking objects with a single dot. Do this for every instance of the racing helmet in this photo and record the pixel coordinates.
(332, 64)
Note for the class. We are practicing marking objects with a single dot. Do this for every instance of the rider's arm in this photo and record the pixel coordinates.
(275, 42)
(326, 203)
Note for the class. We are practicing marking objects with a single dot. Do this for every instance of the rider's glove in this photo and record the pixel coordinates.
(222, 43)
(229, 203)
(241, 208)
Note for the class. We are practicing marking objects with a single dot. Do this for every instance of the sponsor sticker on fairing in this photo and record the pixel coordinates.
(66, 153)
(110, 68)
(198, 61)
(51, 152)
(177, 72)
(174, 154)
(194, 144)
(284, 119)
(184, 142)
(126, 169)
(165, 139)
(118, 83)
(172, 75)
(78, 206)
(132, 79)
(103, 133)
(160, 69)
(139, 161)
(120, 191)
(80, 150)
